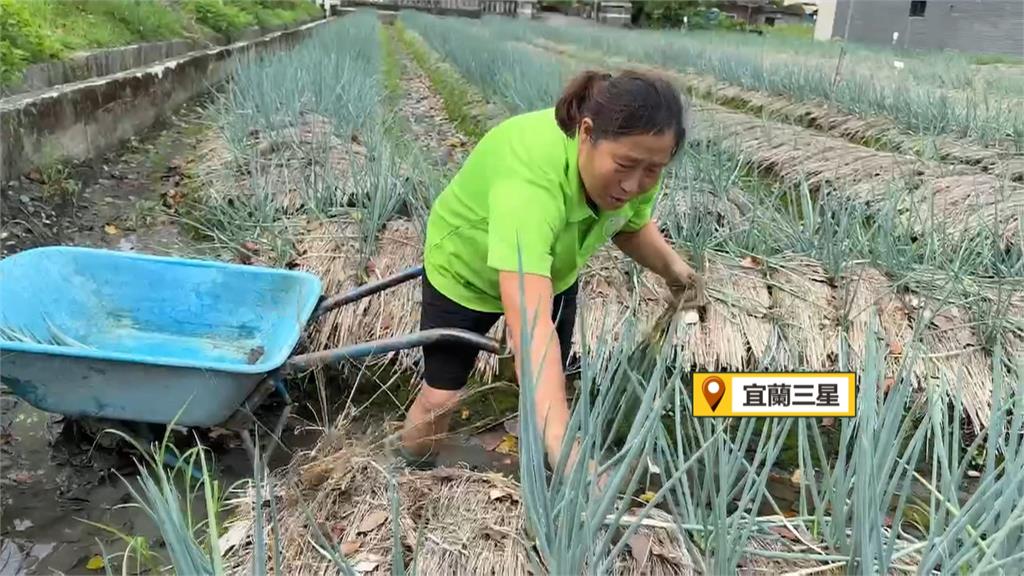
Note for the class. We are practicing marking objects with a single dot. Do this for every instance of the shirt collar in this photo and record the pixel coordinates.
(577, 209)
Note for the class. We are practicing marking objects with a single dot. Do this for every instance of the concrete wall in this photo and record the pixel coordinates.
(84, 119)
(981, 26)
(825, 21)
(96, 63)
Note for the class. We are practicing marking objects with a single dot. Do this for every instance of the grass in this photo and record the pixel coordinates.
(791, 31)
(33, 31)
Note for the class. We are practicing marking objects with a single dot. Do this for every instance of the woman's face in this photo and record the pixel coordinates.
(616, 170)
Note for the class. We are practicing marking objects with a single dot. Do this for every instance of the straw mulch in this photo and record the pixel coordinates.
(450, 521)
(603, 299)
(735, 331)
(952, 353)
(855, 128)
(396, 311)
(330, 250)
(964, 203)
(804, 305)
(282, 163)
(864, 291)
(796, 154)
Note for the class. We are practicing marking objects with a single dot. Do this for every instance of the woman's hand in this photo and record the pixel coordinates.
(686, 285)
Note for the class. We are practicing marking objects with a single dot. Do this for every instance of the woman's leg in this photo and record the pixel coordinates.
(446, 367)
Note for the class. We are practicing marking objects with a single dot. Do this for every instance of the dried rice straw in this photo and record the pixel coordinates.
(396, 311)
(861, 290)
(734, 333)
(471, 523)
(804, 304)
(952, 350)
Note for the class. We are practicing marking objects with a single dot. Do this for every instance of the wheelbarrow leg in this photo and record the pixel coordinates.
(275, 383)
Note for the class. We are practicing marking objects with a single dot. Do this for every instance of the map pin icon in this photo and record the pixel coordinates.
(714, 389)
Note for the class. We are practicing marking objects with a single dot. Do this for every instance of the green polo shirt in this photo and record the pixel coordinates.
(521, 181)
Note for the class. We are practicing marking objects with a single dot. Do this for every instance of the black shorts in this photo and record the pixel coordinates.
(446, 366)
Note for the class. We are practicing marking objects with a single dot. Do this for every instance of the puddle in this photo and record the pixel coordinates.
(59, 475)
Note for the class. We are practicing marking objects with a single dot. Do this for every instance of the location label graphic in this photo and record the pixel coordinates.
(768, 394)
(714, 390)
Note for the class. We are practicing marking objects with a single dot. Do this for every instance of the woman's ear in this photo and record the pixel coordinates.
(586, 130)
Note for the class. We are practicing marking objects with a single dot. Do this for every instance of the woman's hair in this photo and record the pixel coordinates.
(631, 103)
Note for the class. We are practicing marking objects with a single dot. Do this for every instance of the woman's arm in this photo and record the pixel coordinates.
(550, 399)
(649, 249)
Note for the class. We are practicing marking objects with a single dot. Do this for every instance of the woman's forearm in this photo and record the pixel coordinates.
(550, 401)
(649, 248)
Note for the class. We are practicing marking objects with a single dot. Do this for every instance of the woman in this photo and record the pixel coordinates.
(543, 190)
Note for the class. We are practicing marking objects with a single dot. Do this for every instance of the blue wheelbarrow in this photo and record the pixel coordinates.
(156, 340)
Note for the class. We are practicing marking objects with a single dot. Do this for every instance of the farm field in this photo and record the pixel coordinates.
(870, 220)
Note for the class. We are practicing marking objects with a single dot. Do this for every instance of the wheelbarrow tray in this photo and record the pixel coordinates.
(145, 338)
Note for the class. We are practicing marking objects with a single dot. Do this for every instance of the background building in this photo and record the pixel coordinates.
(981, 26)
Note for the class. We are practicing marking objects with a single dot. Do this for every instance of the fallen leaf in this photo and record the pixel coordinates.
(234, 536)
(95, 563)
(350, 547)
(254, 355)
(640, 547)
(797, 476)
(499, 493)
(896, 347)
(372, 521)
(646, 497)
(464, 414)
(111, 229)
(889, 382)
(494, 533)
(512, 426)
(751, 262)
(367, 562)
(509, 445)
(445, 474)
(943, 322)
(337, 531)
(828, 421)
(785, 533)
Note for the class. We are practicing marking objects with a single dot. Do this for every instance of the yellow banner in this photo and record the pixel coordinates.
(815, 394)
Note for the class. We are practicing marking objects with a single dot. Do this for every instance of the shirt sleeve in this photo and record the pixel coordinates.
(524, 221)
(643, 211)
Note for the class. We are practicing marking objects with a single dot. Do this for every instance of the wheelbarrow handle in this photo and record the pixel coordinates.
(388, 345)
(338, 300)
